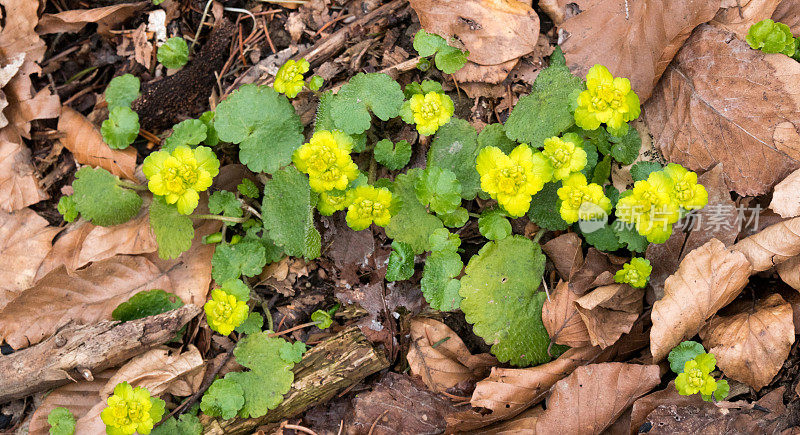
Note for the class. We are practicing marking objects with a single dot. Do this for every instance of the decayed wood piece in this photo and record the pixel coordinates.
(76, 351)
(325, 370)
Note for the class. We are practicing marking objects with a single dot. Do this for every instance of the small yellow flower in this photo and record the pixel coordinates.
(368, 204)
(513, 179)
(180, 175)
(289, 79)
(636, 272)
(326, 159)
(224, 312)
(565, 155)
(429, 111)
(608, 100)
(686, 192)
(696, 377)
(650, 206)
(131, 410)
(582, 201)
(331, 201)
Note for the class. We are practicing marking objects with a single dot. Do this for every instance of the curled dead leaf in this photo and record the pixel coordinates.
(771, 246)
(785, 200)
(86, 144)
(788, 12)
(610, 387)
(161, 370)
(609, 311)
(738, 15)
(565, 252)
(597, 269)
(707, 279)
(74, 20)
(789, 271)
(751, 347)
(19, 186)
(561, 318)
(439, 356)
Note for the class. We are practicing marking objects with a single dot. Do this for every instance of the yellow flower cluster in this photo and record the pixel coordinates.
(582, 201)
(430, 111)
(636, 272)
(653, 205)
(224, 312)
(608, 100)
(565, 155)
(326, 159)
(131, 410)
(696, 376)
(513, 179)
(289, 79)
(180, 175)
(367, 204)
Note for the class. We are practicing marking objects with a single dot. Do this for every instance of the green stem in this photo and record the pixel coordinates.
(219, 218)
(373, 170)
(475, 215)
(129, 185)
(539, 235)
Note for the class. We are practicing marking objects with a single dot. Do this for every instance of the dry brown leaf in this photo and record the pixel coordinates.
(494, 31)
(565, 252)
(609, 311)
(161, 370)
(75, 20)
(788, 12)
(86, 144)
(86, 296)
(24, 242)
(707, 279)
(789, 271)
(597, 269)
(79, 397)
(19, 187)
(448, 364)
(610, 388)
(771, 246)
(638, 45)
(561, 318)
(751, 347)
(519, 425)
(738, 15)
(785, 200)
(668, 396)
(664, 258)
(694, 120)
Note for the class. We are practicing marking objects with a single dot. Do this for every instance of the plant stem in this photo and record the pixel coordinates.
(475, 215)
(539, 235)
(304, 325)
(219, 218)
(129, 185)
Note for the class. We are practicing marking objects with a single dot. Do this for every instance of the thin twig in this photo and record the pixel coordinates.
(299, 428)
(200, 27)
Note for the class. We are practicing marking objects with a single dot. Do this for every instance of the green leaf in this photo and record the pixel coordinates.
(174, 231)
(273, 252)
(122, 90)
(61, 421)
(263, 123)
(686, 351)
(443, 240)
(173, 53)
(401, 262)
(186, 424)
(494, 135)
(236, 288)
(602, 171)
(145, 304)
(545, 207)
(293, 352)
(439, 189)
(232, 261)
(450, 59)
(100, 199)
(212, 138)
(324, 121)
(641, 170)
(270, 376)
(323, 318)
(393, 156)
(437, 284)
(494, 225)
(721, 393)
(225, 203)
(501, 300)
(248, 188)
(629, 237)
(288, 214)
(189, 132)
(625, 149)
(454, 219)
(601, 237)
(121, 128)
(411, 223)
(376, 92)
(427, 44)
(612, 193)
(224, 398)
(67, 208)
(455, 148)
(252, 324)
(545, 112)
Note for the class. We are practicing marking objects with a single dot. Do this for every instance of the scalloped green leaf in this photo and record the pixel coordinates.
(392, 156)
(641, 170)
(438, 285)
(145, 304)
(224, 398)
(121, 128)
(225, 203)
(411, 223)
(100, 199)
(686, 351)
(173, 53)
(625, 149)
(401, 262)
(494, 225)
(229, 262)
(122, 90)
(439, 189)
(186, 424)
(455, 147)
(364, 93)
(190, 132)
(288, 213)
(545, 207)
(61, 421)
(174, 231)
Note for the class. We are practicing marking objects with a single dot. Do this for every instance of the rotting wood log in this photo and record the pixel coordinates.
(326, 369)
(76, 351)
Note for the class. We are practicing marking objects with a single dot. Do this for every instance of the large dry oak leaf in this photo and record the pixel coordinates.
(707, 279)
(722, 102)
(638, 45)
(751, 347)
(772, 245)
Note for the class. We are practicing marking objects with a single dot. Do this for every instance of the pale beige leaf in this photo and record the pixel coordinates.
(789, 271)
(737, 16)
(86, 296)
(86, 144)
(707, 279)
(565, 252)
(610, 311)
(594, 396)
(561, 318)
(751, 347)
(772, 245)
(159, 370)
(450, 362)
(75, 20)
(695, 122)
(19, 186)
(24, 242)
(668, 396)
(494, 31)
(638, 45)
(785, 200)
(79, 397)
